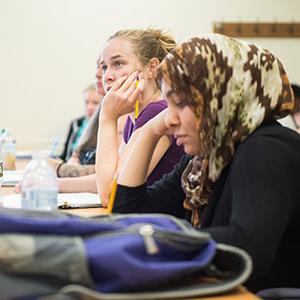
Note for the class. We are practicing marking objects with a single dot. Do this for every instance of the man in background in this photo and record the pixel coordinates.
(91, 101)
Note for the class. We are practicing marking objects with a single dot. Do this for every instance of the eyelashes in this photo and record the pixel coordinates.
(115, 64)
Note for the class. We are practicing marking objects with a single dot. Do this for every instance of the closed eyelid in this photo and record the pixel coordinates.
(173, 97)
(118, 61)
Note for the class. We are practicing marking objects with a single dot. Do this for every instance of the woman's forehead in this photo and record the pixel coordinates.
(117, 47)
(168, 92)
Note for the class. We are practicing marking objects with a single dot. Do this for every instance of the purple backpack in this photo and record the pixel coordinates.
(140, 256)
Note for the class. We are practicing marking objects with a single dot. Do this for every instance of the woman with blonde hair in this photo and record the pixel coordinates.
(126, 56)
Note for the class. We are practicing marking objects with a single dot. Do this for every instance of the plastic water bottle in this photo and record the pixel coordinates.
(39, 185)
(1, 168)
(8, 144)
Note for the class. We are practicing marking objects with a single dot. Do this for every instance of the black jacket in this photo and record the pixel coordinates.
(73, 129)
(255, 204)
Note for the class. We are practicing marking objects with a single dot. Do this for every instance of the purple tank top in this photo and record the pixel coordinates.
(172, 155)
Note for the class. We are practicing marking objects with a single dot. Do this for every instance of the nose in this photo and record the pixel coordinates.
(108, 76)
(172, 119)
(99, 73)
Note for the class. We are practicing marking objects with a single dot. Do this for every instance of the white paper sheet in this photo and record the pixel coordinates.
(74, 200)
(24, 154)
(78, 199)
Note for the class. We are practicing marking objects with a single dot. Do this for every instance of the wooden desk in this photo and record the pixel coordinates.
(240, 293)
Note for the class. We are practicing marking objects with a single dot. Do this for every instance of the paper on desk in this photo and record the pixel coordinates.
(24, 154)
(79, 199)
(10, 178)
(73, 199)
(11, 201)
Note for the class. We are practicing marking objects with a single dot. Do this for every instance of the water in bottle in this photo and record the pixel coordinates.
(1, 168)
(8, 146)
(39, 185)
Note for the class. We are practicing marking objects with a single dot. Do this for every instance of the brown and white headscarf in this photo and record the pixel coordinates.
(232, 86)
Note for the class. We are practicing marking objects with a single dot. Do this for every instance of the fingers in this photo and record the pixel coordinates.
(124, 82)
(129, 82)
(128, 93)
(118, 84)
(136, 91)
(123, 94)
(130, 90)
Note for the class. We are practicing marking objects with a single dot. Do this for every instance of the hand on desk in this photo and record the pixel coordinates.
(18, 188)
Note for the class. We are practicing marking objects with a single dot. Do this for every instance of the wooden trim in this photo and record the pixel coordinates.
(274, 30)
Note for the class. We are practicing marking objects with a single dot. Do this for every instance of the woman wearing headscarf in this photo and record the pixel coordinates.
(239, 181)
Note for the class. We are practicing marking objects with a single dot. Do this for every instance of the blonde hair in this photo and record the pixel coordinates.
(148, 43)
(91, 87)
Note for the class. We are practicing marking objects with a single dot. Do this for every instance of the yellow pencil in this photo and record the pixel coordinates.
(136, 111)
(112, 196)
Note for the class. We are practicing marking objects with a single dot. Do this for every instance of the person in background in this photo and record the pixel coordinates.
(239, 181)
(296, 111)
(91, 101)
(292, 120)
(83, 159)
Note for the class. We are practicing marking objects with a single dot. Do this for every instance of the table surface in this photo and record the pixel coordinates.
(240, 293)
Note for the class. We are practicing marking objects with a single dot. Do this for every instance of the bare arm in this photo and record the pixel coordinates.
(121, 124)
(136, 141)
(74, 170)
(86, 183)
(148, 148)
(107, 156)
(117, 102)
(78, 184)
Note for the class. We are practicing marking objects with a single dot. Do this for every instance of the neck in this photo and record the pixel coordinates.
(146, 98)
(149, 97)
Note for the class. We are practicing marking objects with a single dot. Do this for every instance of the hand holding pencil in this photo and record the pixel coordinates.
(122, 97)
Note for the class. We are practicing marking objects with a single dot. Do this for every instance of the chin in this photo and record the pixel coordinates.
(190, 150)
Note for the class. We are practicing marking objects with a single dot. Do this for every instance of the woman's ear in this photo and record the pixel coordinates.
(152, 67)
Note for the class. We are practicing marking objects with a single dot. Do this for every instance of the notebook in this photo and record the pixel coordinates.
(64, 200)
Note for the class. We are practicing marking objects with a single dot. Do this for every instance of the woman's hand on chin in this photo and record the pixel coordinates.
(121, 98)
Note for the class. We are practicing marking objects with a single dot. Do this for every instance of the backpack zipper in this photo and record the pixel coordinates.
(147, 231)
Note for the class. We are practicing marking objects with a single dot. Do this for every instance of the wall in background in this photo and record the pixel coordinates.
(49, 48)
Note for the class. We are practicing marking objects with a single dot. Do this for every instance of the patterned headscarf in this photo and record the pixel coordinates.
(232, 86)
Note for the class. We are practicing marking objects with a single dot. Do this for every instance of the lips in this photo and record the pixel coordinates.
(180, 139)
